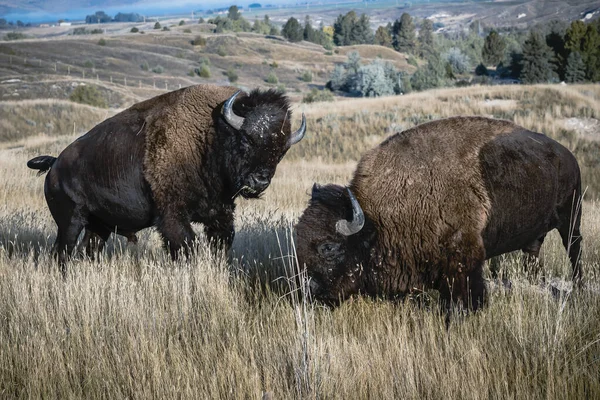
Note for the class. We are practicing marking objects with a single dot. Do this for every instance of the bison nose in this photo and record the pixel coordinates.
(259, 182)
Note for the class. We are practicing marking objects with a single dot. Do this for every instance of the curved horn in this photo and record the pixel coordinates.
(234, 120)
(299, 134)
(348, 228)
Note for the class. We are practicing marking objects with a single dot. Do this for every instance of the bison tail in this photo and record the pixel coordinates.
(41, 163)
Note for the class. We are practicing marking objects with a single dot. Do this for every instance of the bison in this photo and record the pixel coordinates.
(427, 206)
(177, 158)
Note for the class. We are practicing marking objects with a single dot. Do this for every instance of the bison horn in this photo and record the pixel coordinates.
(234, 120)
(348, 228)
(299, 134)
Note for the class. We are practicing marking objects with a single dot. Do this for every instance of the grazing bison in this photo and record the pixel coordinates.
(177, 158)
(428, 205)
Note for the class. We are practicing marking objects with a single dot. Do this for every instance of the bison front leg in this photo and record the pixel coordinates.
(177, 233)
(220, 230)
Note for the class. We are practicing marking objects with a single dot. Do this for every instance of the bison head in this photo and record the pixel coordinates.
(260, 135)
(333, 243)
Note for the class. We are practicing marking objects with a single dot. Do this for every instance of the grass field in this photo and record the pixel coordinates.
(136, 325)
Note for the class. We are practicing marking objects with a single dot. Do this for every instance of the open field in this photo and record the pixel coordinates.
(134, 324)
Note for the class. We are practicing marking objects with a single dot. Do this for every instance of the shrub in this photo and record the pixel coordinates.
(102, 42)
(145, 66)
(181, 23)
(134, 30)
(457, 59)
(158, 69)
(317, 96)
(191, 73)
(157, 25)
(200, 20)
(165, 28)
(481, 70)
(221, 51)
(14, 36)
(203, 71)
(272, 78)
(80, 31)
(96, 31)
(281, 88)
(88, 94)
(187, 30)
(88, 64)
(232, 75)
(274, 64)
(307, 76)
(198, 41)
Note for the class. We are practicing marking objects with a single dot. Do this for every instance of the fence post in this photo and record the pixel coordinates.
(166, 85)
(68, 70)
(54, 67)
(125, 81)
(83, 74)
(140, 82)
(111, 79)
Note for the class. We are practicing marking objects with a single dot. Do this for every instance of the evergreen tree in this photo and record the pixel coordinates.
(574, 36)
(309, 32)
(426, 38)
(555, 39)
(575, 71)
(234, 13)
(537, 60)
(292, 30)
(493, 49)
(585, 39)
(403, 32)
(361, 31)
(383, 37)
(342, 28)
(430, 76)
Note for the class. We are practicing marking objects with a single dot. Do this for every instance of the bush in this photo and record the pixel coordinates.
(80, 31)
(272, 78)
(307, 76)
(134, 30)
(198, 41)
(14, 36)
(481, 70)
(187, 30)
(158, 69)
(181, 23)
(145, 66)
(274, 64)
(102, 42)
(96, 31)
(90, 95)
(317, 96)
(166, 28)
(459, 61)
(191, 73)
(157, 25)
(232, 75)
(412, 61)
(221, 51)
(88, 64)
(203, 71)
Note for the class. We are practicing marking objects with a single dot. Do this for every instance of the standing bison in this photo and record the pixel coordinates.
(430, 204)
(168, 161)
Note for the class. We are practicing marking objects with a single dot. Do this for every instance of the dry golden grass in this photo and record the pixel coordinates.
(134, 324)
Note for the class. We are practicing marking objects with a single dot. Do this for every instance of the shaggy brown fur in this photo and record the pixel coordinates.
(168, 161)
(438, 200)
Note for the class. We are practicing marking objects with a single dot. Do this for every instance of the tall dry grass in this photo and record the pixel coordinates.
(134, 324)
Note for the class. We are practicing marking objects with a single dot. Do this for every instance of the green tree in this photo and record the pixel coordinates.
(575, 71)
(430, 76)
(234, 13)
(555, 39)
(585, 39)
(309, 32)
(537, 60)
(157, 25)
(403, 33)
(342, 28)
(383, 37)
(292, 30)
(361, 31)
(88, 94)
(426, 38)
(493, 49)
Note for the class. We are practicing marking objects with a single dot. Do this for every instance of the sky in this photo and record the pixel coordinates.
(143, 7)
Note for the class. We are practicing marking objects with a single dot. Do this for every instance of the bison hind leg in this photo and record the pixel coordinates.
(533, 260)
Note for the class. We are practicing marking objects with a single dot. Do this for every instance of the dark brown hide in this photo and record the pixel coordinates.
(168, 161)
(438, 200)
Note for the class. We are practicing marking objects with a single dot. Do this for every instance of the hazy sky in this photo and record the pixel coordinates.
(147, 7)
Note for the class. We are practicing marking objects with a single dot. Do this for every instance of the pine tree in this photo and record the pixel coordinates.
(292, 30)
(361, 31)
(555, 38)
(537, 58)
(342, 28)
(426, 38)
(493, 49)
(234, 13)
(575, 71)
(403, 32)
(383, 37)
(309, 32)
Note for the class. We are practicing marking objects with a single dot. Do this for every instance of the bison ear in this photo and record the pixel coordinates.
(315, 189)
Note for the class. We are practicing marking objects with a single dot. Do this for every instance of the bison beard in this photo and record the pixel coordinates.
(428, 206)
(174, 159)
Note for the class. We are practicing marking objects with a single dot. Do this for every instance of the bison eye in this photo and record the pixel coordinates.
(329, 249)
